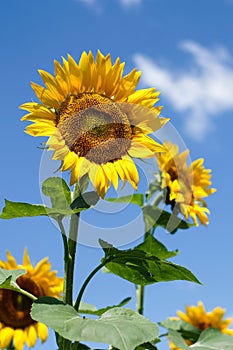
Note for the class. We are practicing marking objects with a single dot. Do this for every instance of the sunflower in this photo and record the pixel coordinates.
(184, 185)
(198, 317)
(95, 119)
(16, 325)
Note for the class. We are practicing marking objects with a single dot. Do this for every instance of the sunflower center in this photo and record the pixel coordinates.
(94, 127)
(15, 307)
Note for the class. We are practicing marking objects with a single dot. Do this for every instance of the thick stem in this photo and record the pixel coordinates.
(140, 298)
(72, 244)
(66, 251)
(158, 199)
(69, 262)
(140, 290)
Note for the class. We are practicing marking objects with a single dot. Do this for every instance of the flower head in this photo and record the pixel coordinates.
(16, 325)
(95, 119)
(200, 318)
(185, 185)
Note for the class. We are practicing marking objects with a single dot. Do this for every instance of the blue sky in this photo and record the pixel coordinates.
(184, 48)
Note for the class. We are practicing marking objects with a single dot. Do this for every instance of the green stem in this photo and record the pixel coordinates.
(63, 232)
(80, 294)
(66, 251)
(75, 346)
(140, 298)
(61, 342)
(140, 290)
(69, 262)
(27, 294)
(158, 199)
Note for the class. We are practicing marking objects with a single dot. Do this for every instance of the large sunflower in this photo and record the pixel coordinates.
(198, 317)
(16, 325)
(184, 185)
(95, 119)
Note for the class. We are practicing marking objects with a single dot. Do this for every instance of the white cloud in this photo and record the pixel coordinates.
(200, 92)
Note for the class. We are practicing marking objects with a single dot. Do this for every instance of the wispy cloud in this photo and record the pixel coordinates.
(200, 92)
(125, 3)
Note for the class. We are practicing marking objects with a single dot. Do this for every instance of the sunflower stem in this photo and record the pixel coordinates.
(140, 290)
(69, 262)
(71, 252)
(158, 199)
(140, 298)
(64, 239)
(80, 294)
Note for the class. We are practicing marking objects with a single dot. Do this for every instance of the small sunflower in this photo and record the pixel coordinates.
(16, 325)
(95, 119)
(198, 317)
(184, 185)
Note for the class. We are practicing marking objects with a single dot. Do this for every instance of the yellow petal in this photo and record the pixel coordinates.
(26, 258)
(45, 96)
(139, 151)
(40, 129)
(149, 143)
(70, 160)
(19, 339)
(42, 331)
(80, 168)
(102, 183)
(6, 335)
(31, 336)
(127, 171)
(111, 174)
(11, 260)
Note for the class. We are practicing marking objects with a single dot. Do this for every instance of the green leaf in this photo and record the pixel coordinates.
(91, 310)
(154, 217)
(83, 183)
(58, 191)
(187, 330)
(213, 339)
(18, 209)
(136, 198)
(80, 346)
(14, 210)
(148, 345)
(153, 246)
(210, 339)
(124, 329)
(177, 339)
(85, 201)
(60, 196)
(8, 279)
(143, 268)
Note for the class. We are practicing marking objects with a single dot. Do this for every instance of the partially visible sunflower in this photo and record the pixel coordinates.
(198, 317)
(16, 325)
(95, 119)
(184, 185)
